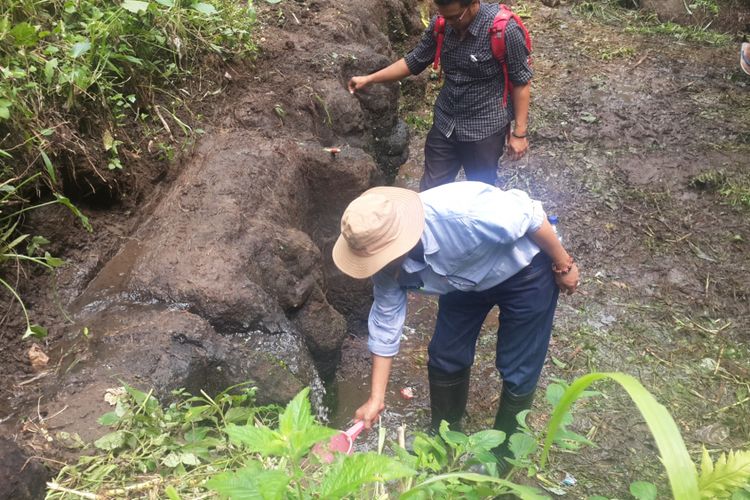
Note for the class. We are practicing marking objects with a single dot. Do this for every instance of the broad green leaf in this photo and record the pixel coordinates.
(453, 438)
(111, 441)
(204, 8)
(238, 414)
(24, 35)
(681, 470)
(297, 415)
(731, 472)
(522, 445)
(52, 261)
(256, 439)
(523, 492)
(135, 6)
(643, 490)
(165, 3)
(172, 460)
(80, 48)
(430, 451)
(251, 483)
(554, 393)
(49, 69)
(189, 459)
(171, 493)
(487, 439)
(36, 331)
(300, 442)
(4, 109)
(347, 476)
(108, 419)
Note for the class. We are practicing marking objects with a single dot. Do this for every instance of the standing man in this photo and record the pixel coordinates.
(470, 124)
(477, 247)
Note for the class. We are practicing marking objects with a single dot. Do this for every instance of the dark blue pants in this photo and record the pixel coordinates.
(444, 157)
(527, 302)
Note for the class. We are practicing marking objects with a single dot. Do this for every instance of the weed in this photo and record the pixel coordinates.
(736, 191)
(227, 446)
(612, 12)
(68, 65)
(418, 123)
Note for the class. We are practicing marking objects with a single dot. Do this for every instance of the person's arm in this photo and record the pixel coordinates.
(520, 73)
(518, 143)
(392, 73)
(384, 325)
(547, 240)
(370, 410)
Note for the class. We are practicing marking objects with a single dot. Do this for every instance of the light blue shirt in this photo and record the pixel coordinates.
(475, 237)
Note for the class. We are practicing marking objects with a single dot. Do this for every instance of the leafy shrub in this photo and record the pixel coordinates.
(79, 79)
(227, 446)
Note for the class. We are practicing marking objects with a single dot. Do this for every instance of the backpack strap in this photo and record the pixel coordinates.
(497, 43)
(438, 33)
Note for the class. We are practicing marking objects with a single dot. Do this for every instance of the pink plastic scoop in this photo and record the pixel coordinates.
(343, 442)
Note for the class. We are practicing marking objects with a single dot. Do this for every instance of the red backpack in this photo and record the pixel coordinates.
(497, 41)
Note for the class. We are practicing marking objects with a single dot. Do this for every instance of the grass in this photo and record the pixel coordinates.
(611, 12)
(84, 86)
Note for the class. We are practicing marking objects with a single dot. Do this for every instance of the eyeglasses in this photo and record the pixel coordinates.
(459, 18)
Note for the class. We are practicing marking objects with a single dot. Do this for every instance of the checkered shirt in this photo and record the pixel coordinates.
(470, 104)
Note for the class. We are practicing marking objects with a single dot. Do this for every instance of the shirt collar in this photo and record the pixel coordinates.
(478, 20)
(430, 247)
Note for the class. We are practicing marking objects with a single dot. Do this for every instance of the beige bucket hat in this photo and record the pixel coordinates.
(382, 224)
(744, 58)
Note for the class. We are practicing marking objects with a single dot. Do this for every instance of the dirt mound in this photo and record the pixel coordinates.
(225, 275)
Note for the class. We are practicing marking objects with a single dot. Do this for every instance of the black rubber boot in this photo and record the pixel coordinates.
(448, 396)
(505, 420)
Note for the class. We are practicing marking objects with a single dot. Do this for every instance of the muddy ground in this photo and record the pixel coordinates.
(622, 126)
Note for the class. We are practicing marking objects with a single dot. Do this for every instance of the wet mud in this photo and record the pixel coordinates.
(628, 132)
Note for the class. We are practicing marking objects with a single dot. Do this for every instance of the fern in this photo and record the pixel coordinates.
(731, 472)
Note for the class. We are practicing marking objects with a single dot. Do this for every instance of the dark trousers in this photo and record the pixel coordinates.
(527, 304)
(444, 157)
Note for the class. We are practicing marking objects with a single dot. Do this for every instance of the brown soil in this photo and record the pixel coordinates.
(665, 260)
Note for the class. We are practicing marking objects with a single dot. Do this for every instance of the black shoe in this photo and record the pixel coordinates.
(505, 420)
(448, 396)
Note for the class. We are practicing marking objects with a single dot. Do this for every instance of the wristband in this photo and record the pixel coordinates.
(523, 136)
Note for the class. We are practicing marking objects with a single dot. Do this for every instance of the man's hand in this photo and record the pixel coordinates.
(358, 83)
(568, 282)
(517, 147)
(369, 411)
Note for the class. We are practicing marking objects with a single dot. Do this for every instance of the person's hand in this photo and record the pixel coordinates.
(568, 282)
(517, 147)
(369, 412)
(358, 83)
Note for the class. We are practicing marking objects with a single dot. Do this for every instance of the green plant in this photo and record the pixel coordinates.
(729, 474)
(200, 446)
(612, 12)
(736, 190)
(12, 207)
(72, 68)
(152, 448)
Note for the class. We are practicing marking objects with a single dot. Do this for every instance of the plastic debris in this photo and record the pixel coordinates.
(407, 393)
(333, 151)
(569, 480)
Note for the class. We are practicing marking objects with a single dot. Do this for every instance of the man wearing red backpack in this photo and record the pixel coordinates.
(476, 105)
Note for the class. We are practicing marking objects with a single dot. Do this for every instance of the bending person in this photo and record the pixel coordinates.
(476, 246)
